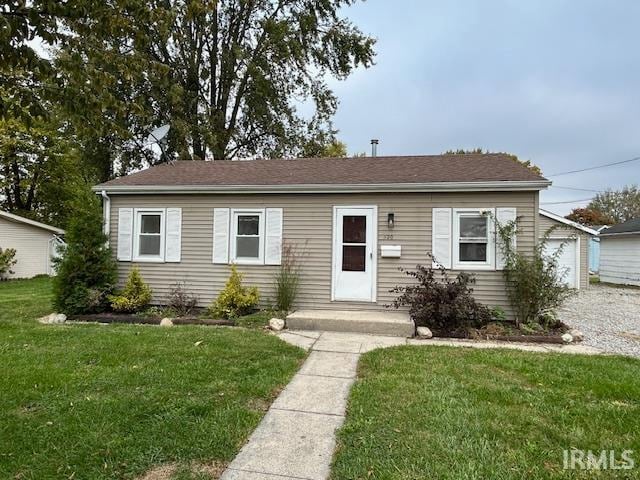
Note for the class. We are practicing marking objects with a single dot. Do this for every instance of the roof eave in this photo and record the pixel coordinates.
(615, 234)
(568, 222)
(18, 219)
(510, 185)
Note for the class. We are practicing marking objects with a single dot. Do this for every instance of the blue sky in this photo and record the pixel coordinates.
(553, 81)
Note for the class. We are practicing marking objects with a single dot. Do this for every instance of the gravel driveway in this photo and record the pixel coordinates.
(609, 317)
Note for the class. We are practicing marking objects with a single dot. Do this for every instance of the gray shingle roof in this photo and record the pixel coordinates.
(630, 226)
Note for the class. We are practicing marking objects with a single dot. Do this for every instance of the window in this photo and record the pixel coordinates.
(149, 235)
(354, 243)
(247, 241)
(472, 245)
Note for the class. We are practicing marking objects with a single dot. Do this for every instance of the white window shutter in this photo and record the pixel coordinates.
(125, 234)
(441, 236)
(273, 240)
(173, 238)
(504, 215)
(221, 235)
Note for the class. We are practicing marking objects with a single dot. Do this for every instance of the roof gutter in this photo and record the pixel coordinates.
(323, 188)
(615, 234)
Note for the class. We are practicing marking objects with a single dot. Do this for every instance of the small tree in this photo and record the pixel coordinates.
(86, 271)
(235, 299)
(287, 279)
(534, 282)
(7, 260)
(134, 297)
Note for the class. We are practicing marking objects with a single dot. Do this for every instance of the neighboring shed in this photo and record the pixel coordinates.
(620, 253)
(35, 244)
(574, 258)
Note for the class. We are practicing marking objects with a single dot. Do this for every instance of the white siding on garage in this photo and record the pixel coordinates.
(620, 259)
(563, 230)
(32, 245)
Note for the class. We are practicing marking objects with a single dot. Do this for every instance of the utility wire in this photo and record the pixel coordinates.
(634, 159)
(567, 201)
(577, 189)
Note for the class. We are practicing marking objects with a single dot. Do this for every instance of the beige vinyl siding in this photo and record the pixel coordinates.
(567, 230)
(307, 223)
(32, 245)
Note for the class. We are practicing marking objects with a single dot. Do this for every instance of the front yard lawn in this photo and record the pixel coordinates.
(438, 412)
(103, 402)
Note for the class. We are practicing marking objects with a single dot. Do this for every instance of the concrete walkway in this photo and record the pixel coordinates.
(296, 438)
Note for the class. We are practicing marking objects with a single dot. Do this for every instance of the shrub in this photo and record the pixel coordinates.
(534, 282)
(134, 297)
(287, 279)
(181, 301)
(86, 271)
(7, 260)
(235, 299)
(440, 303)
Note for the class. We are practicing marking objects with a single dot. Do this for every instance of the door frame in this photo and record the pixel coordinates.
(374, 251)
(577, 269)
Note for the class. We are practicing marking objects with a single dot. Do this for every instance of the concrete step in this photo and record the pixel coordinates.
(397, 324)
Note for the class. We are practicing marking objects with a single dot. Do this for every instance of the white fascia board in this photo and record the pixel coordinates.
(560, 219)
(15, 218)
(509, 186)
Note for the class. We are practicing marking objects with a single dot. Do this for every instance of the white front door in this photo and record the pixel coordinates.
(354, 253)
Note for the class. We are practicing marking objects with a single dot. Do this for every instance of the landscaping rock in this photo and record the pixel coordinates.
(166, 322)
(567, 338)
(53, 318)
(576, 334)
(276, 324)
(424, 332)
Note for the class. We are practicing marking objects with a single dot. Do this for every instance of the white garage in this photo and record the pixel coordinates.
(35, 244)
(574, 258)
(569, 259)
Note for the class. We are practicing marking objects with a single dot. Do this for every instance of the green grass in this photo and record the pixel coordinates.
(594, 279)
(97, 402)
(438, 412)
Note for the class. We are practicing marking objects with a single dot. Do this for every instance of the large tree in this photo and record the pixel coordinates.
(233, 78)
(525, 163)
(40, 171)
(620, 205)
(587, 216)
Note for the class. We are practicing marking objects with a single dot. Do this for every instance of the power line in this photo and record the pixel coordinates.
(577, 189)
(567, 201)
(634, 159)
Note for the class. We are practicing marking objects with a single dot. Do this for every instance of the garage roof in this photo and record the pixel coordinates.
(17, 219)
(626, 228)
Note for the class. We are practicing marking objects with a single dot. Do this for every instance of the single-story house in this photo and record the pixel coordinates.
(355, 221)
(574, 258)
(35, 244)
(620, 253)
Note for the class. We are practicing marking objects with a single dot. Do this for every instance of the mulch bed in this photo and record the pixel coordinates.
(508, 333)
(136, 319)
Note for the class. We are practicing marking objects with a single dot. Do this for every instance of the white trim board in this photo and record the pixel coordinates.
(18, 219)
(560, 219)
(333, 188)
